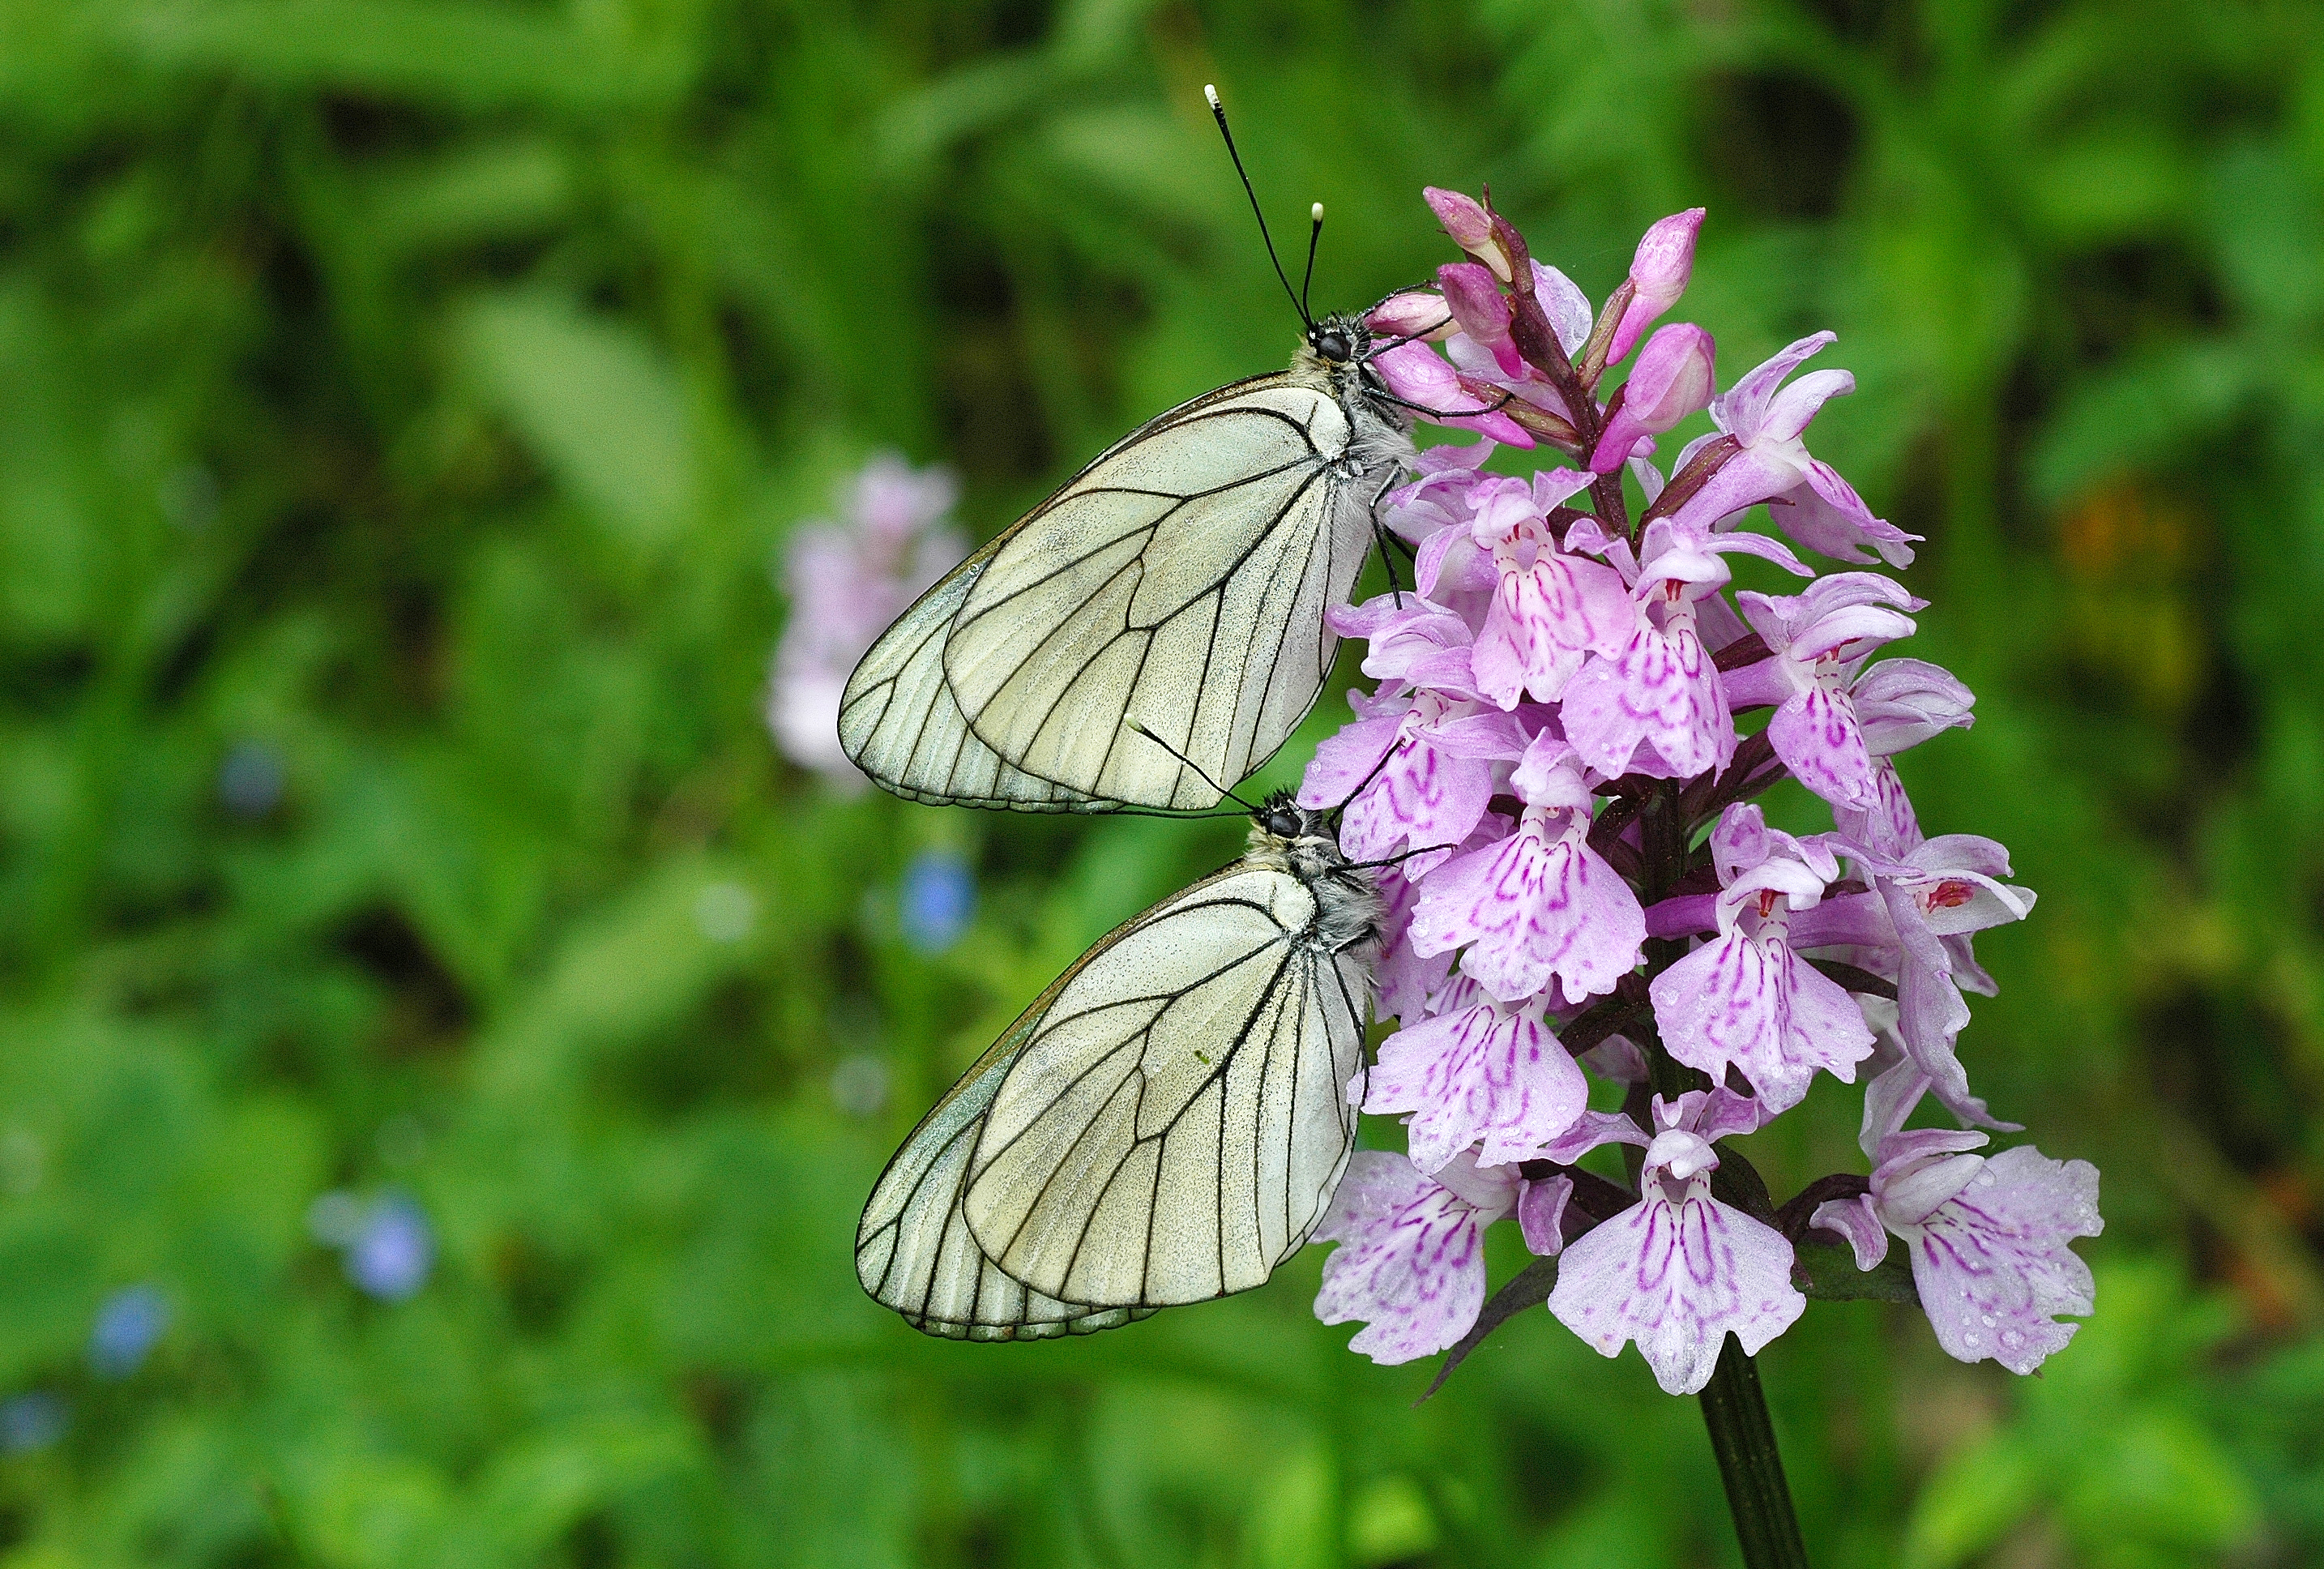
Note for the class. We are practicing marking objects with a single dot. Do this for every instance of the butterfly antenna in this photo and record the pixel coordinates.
(1365, 783)
(1314, 236)
(1218, 112)
(1135, 728)
(1404, 856)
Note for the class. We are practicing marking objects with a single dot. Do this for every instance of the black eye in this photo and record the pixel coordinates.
(1282, 822)
(1333, 346)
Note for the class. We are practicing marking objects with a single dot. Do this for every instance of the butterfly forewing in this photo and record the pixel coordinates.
(1176, 1120)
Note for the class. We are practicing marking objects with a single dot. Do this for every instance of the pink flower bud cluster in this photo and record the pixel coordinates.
(846, 581)
(1574, 715)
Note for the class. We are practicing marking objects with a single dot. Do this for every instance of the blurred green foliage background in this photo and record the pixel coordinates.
(401, 405)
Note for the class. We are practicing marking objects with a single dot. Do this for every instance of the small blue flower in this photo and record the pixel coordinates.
(251, 779)
(937, 900)
(128, 1324)
(31, 1421)
(393, 1252)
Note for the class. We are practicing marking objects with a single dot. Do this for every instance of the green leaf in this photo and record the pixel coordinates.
(1829, 1274)
(470, 55)
(598, 405)
(1976, 1496)
(1529, 1287)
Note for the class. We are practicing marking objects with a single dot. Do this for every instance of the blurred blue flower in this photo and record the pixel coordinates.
(937, 901)
(128, 1325)
(393, 1252)
(251, 779)
(31, 1421)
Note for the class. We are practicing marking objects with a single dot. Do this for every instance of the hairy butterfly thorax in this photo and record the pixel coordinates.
(1305, 843)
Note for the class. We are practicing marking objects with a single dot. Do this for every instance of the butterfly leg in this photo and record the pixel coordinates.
(1385, 539)
(1441, 415)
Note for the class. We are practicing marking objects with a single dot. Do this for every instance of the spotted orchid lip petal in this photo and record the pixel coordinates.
(1534, 908)
(1487, 1077)
(1547, 617)
(1988, 1239)
(1754, 1004)
(1677, 1275)
(1656, 706)
(1411, 1259)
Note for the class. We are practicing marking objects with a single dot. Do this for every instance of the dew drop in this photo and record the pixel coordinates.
(1986, 1320)
(1969, 1339)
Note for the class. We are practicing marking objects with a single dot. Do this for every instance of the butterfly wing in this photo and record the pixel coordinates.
(1175, 1119)
(1178, 584)
(913, 1250)
(900, 723)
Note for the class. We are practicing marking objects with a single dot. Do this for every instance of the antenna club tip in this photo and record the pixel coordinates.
(1211, 94)
(1316, 212)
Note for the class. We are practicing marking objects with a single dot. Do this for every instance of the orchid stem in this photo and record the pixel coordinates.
(1744, 1439)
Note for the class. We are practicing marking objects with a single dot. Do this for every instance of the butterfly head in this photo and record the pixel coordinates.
(1296, 838)
(1339, 341)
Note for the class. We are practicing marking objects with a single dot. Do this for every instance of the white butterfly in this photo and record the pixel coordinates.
(1165, 1124)
(1175, 587)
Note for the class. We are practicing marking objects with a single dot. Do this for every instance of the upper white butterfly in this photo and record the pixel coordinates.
(1157, 624)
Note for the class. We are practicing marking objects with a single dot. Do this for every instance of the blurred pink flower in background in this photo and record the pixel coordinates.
(846, 581)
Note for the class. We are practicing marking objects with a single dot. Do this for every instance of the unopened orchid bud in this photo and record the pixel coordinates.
(1672, 379)
(1658, 275)
(1416, 313)
(1481, 309)
(1472, 228)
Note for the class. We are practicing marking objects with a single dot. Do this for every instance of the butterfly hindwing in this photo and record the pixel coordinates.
(913, 1251)
(900, 723)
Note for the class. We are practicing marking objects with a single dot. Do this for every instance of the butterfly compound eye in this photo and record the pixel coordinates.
(1283, 822)
(1331, 344)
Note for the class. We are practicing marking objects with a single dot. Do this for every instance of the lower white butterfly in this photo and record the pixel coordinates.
(1165, 1124)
